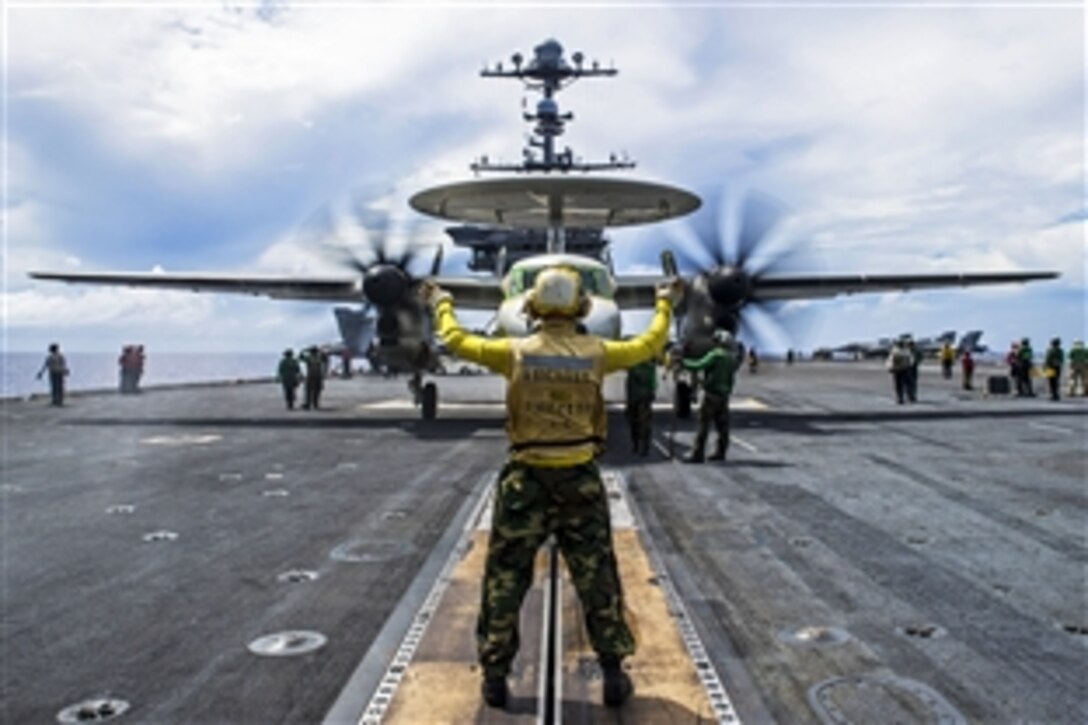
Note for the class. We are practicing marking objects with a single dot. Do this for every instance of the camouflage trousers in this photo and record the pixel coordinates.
(640, 420)
(530, 504)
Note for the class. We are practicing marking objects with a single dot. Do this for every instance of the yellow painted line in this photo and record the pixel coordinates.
(667, 686)
(441, 681)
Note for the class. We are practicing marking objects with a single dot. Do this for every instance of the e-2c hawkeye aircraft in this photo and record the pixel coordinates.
(549, 197)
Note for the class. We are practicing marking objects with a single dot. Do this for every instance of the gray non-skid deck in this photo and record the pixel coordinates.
(853, 556)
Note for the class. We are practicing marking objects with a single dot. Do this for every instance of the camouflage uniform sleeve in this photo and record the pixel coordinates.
(621, 354)
(492, 354)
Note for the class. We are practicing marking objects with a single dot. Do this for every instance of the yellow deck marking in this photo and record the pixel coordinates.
(667, 688)
(442, 682)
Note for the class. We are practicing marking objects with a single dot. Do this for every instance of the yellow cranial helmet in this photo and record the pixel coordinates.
(557, 292)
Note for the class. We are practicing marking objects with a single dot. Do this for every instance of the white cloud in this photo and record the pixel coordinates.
(232, 124)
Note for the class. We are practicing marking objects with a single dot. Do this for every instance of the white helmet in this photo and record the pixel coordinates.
(723, 337)
(557, 292)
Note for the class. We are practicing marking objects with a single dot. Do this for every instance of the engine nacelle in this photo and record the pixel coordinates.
(385, 285)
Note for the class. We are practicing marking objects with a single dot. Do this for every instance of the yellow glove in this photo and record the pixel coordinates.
(671, 289)
(432, 294)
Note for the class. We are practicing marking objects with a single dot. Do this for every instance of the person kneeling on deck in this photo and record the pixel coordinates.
(550, 485)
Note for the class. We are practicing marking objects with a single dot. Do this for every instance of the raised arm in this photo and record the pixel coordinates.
(492, 354)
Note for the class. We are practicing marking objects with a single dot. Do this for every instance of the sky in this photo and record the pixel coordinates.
(200, 137)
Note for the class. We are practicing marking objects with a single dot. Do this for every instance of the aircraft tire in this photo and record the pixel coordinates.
(682, 400)
(429, 401)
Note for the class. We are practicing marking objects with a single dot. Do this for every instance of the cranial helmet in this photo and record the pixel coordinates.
(557, 292)
(723, 337)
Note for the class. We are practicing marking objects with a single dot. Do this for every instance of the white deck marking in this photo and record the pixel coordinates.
(1056, 428)
(743, 444)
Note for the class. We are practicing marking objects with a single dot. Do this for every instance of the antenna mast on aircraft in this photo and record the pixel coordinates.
(548, 72)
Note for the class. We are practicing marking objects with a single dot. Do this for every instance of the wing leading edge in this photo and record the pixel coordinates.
(323, 289)
(638, 292)
(470, 293)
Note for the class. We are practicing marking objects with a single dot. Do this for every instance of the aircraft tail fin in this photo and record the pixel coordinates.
(970, 341)
(356, 328)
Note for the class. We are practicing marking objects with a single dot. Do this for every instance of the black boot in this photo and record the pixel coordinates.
(617, 685)
(719, 455)
(696, 456)
(494, 691)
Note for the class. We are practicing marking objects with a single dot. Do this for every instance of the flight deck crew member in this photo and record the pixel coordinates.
(57, 367)
(641, 389)
(967, 362)
(899, 365)
(314, 361)
(719, 368)
(288, 373)
(550, 484)
(1078, 368)
(1052, 367)
(915, 361)
(1025, 364)
(948, 358)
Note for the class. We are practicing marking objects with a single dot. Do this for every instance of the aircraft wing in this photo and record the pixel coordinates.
(638, 291)
(474, 293)
(323, 289)
(797, 288)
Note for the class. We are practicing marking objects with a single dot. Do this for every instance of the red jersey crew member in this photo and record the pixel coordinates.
(550, 484)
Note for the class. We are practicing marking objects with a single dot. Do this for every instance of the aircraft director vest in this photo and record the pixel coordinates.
(555, 410)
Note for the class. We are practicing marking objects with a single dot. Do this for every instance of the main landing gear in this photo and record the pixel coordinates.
(424, 395)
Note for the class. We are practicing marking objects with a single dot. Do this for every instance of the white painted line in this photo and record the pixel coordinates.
(716, 693)
(619, 511)
(743, 444)
(1056, 428)
(661, 447)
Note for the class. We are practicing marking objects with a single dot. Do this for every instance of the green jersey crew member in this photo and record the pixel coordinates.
(719, 367)
(556, 424)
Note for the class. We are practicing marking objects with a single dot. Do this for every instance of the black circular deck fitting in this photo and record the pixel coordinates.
(370, 552)
(813, 636)
(287, 644)
(297, 576)
(96, 709)
(921, 631)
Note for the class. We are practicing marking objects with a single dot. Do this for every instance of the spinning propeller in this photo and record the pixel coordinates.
(731, 249)
(363, 239)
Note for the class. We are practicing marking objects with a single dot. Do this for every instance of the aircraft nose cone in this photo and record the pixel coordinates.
(385, 285)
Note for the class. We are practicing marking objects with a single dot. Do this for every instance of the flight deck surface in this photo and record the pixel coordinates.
(854, 560)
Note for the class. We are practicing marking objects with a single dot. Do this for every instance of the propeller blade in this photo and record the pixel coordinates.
(766, 327)
(759, 216)
(695, 261)
(707, 225)
(436, 265)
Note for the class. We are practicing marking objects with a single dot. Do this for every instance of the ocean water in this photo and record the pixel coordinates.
(100, 371)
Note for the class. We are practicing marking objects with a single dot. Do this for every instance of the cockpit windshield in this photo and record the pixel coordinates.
(595, 281)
